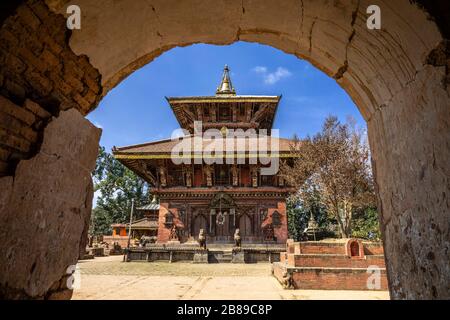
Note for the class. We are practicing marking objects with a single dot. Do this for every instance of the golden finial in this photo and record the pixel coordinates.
(225, 87)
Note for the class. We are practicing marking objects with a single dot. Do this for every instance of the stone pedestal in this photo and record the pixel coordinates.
(97, 252)
(238, 257)
(200, 257)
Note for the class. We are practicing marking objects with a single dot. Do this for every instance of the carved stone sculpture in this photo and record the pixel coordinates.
(237, 238)
(174, 233)
(202, 239)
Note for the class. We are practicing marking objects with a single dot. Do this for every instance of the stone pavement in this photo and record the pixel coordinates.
(110, 278)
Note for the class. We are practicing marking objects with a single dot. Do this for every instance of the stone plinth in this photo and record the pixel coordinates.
(200, 257)
(238, 257)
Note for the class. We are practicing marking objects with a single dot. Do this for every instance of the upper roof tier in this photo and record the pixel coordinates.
(225, 109)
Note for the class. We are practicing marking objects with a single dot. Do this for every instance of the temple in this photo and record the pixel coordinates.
(223, 190)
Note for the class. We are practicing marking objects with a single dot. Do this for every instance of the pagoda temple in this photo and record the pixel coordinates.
(231, 193)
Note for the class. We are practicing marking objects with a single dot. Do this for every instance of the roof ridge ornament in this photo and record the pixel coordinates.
(225, 87)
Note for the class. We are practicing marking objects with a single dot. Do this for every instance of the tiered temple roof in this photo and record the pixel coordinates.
(224, 111)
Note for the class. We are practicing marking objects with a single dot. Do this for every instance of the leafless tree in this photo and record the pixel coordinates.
(336, 161)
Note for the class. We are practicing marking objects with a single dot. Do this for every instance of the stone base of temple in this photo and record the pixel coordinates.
(318, 265)
(201, 257)
(216, 254)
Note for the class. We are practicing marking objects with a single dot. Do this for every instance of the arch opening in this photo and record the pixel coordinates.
(390, 75)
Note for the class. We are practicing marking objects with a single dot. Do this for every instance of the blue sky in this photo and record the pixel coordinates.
(136, 111)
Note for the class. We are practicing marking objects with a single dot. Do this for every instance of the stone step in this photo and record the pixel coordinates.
(220, 256)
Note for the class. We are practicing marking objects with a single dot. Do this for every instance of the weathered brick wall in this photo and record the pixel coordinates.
(323, 248)
(122, 240)
(327, 279)
(20, 130)
(280, 232)
(334, 261)
(163, 231)
(38, 64)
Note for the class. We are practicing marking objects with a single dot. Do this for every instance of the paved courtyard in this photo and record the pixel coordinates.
(110, 278)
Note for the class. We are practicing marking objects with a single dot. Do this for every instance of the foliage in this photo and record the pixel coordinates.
(297, 218)
(299, 210)
(334, 163)
(366, 224)
(117, 186)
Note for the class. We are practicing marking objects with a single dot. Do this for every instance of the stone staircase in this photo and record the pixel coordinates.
(333, 265)
(220, 256)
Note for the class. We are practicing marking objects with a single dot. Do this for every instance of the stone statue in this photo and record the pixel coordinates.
(174, 234)
(237, 238)
(202, 239)
(287, 281)
(144, 240)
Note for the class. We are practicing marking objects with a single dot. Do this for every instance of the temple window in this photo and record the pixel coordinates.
(176, 177)
(224, 114)
(222, 175)
(168, 219)
(266, 180)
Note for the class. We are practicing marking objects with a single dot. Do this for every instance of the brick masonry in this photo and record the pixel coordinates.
(38, 65)
(20, 132)
(329, 266)
(326, 279)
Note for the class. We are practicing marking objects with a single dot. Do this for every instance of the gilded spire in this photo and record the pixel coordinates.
(225, 87)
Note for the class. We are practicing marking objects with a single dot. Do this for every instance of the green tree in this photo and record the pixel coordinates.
(297, 218)
(366, 224)
(299, 210)
(117, 186)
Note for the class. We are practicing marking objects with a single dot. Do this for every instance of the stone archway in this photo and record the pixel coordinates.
(397, 76)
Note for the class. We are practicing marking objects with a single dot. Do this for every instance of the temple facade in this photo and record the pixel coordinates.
(223, 189)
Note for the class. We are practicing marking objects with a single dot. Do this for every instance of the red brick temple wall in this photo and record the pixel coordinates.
(163, 231)
(281, 232)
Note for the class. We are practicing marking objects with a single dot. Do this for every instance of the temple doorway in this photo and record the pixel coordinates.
(245, 225)
(200, 222)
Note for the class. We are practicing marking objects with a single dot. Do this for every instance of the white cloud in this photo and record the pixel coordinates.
(260, 69)
(272, 77)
